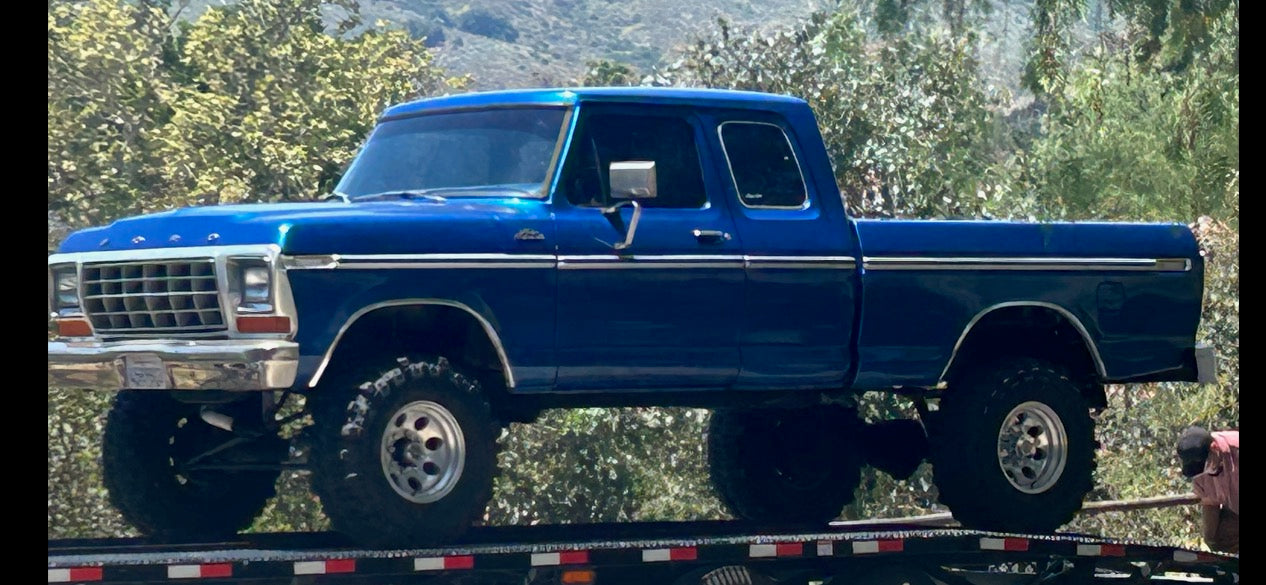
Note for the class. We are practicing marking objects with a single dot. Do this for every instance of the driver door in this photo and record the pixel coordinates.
(664, 312)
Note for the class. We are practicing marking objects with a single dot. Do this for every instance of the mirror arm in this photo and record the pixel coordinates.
(637, 213)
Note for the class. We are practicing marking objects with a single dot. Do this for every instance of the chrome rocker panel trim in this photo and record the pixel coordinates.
(234, 365)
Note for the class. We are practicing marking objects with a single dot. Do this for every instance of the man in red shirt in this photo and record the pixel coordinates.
(1212, 462)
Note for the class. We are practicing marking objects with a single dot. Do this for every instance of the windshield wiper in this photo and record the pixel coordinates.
(335, 196)
(432, 194)
(403, 194)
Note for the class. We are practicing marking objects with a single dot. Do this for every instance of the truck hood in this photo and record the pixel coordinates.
(467, 224)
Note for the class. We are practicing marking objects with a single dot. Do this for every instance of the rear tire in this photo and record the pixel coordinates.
(785, 465)
(406, 457)
(148, 435)
(1014, 448)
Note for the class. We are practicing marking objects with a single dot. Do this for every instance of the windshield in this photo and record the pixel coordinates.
(457, 153)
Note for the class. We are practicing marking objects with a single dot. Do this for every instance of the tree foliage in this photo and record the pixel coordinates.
(607, 73)
(107, 85)
(1127, 139)
(605, 465)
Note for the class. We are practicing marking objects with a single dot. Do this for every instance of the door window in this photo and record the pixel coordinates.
(764, 166)
(606, 138)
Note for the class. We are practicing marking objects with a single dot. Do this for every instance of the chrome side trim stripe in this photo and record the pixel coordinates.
(969, 263)
(578, 262)
(626, 265)
(435, 265)
(801, 262)
(442, 257)
(412, 261)
(635, 261)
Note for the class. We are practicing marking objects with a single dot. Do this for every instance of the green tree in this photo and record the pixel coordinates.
(275, 106)
(1125, 139)
(605, 465)
(606, 73)
(108, 94)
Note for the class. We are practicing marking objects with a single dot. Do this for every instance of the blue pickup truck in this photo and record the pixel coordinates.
(490, 255)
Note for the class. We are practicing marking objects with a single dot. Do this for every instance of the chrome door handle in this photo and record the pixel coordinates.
(711, 236)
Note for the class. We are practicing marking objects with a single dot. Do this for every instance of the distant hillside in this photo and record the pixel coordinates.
(518, 43)
(532, 43)
(547, 42)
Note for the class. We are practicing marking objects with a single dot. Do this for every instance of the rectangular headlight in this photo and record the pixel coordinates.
(65, 288)
(251, 283)
(256, 285)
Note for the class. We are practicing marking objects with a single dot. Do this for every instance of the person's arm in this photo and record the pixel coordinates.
(1211, 517)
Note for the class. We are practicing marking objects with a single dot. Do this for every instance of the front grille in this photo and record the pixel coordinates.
(170, 296)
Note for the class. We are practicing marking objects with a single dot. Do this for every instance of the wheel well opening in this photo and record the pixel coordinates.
(1030, 331)
(435, 330)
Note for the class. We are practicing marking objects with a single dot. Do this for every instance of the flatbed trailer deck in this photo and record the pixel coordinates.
(676, 553)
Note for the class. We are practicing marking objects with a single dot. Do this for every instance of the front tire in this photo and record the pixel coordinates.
(406, 457)
(149, 437)
(1014, 448)
(785, 465)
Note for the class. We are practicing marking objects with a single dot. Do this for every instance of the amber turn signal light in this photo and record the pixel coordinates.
(73, 328)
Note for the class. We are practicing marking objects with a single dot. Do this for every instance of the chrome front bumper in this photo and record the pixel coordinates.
(235, 365)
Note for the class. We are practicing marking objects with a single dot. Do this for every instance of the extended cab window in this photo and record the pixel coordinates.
(606, 138)
(765, 170)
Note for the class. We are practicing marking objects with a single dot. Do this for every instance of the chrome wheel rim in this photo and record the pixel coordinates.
(1032, 447)
(423, 452)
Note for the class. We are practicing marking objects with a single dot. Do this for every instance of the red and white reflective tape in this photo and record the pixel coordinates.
(878, 546)
(76, 575)
(661, 555)
(782, 549)
(205, 571)
(1101, 550)
(443, 563)
(328, 567)
(571, 557)
(1010, 544)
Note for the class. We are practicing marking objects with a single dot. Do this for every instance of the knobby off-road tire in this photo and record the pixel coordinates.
(1013, 447)
(775, 465)
(405, 457)
(148, 435)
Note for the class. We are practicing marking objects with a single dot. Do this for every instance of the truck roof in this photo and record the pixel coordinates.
(571, 96)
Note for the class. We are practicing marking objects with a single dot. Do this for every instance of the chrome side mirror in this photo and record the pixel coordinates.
(633, 180)
(630, 181)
